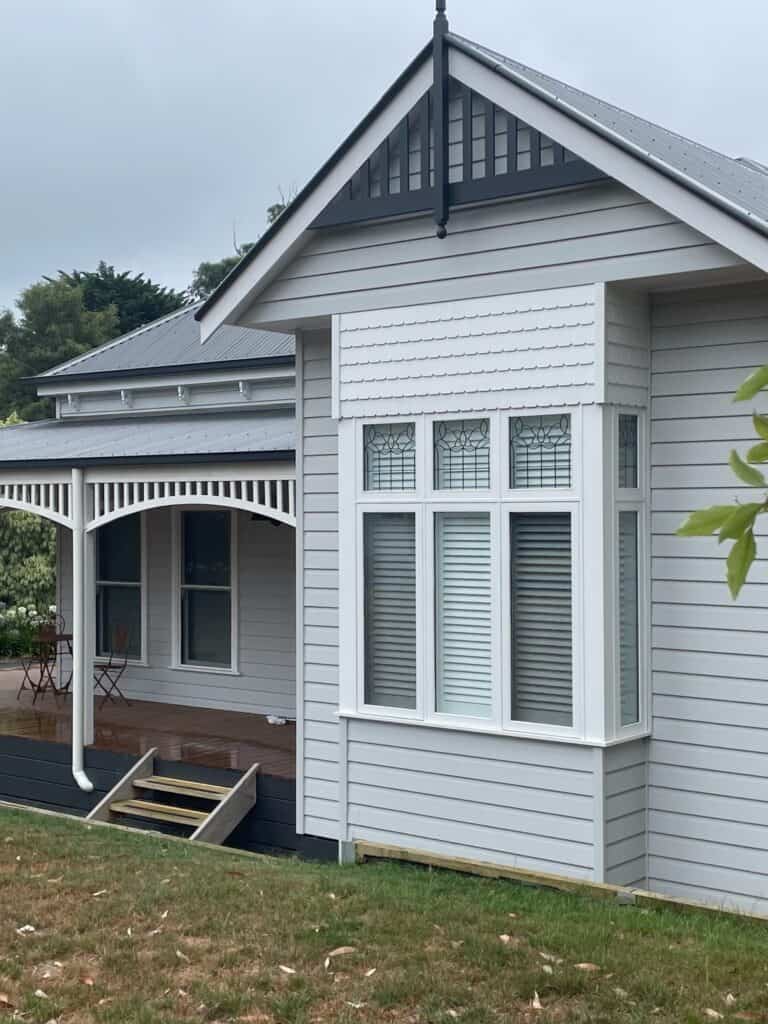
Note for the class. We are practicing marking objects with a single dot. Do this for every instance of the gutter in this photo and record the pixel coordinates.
(716, 198)
(50, 379)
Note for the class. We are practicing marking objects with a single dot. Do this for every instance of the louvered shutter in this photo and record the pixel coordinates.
(628, 618)
(390, 609)
(542, 657)
(463, 613)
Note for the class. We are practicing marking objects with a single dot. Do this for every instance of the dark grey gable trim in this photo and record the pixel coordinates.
(316, 179)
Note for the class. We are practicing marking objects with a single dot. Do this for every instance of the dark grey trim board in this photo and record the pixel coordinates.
(150, 460)
(163, 371)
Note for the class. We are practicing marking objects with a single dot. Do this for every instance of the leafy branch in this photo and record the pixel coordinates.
(736, 522)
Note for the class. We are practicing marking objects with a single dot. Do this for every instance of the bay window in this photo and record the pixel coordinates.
(628, 555)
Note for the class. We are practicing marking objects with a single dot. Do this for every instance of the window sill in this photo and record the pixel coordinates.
(99, 662)
(206, 670)
(492, 730)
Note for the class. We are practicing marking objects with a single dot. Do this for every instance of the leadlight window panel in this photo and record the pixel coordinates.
(389, 456)
(628, 451)
(629, 580)
(118, 586)
(540, 451)
(206, 590)
(463, 614)
(541, 609)
(462, 450)
(389, 544)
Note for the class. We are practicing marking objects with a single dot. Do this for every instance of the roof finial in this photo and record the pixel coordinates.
(441, 21)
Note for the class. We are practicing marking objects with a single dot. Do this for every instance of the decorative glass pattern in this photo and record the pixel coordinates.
(462, 455)
(627, 450)
(389, 451)
(540, 451)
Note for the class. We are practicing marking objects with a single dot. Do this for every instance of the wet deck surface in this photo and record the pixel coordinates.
(205, 736)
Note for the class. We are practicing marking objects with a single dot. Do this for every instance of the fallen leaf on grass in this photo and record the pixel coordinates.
(453, 1014)
(355, 1006)
(26, 929)
(536, 1002)
(370, 972)
(712, 1014)
(164, 915)
(101, 892)
(342, 951)
(620, 992)
(182, 956)
(550, 958)
(586, 967)
(287, 970)
(88, 981)
(729, 999)
(548, 968)
(40, 994)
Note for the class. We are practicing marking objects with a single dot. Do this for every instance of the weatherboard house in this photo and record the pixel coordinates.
(411, 479)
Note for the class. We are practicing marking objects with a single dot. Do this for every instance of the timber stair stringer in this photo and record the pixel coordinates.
(204, 811)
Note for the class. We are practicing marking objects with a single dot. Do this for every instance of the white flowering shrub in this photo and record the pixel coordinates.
(20, 626)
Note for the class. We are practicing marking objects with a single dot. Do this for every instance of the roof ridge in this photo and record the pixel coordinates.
(128, 336)
(597, 99)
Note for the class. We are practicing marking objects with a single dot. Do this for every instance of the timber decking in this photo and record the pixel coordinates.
(201, 736)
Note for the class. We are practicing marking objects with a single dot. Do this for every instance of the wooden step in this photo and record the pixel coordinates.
(183, 787)
(159, 812)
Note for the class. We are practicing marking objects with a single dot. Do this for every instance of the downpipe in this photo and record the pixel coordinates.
(78, 632)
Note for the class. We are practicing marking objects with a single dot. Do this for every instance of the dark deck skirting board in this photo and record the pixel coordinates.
(37, 773)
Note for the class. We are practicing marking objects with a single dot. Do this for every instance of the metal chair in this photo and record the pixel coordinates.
(107, 677)
(43, 659)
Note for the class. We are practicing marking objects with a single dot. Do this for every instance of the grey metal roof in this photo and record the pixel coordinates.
(199, 437)
(736, 184)
(174, 341)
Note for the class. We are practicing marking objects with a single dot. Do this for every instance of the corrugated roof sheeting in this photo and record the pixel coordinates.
(175, 341)
(733, 179)
(116, 439)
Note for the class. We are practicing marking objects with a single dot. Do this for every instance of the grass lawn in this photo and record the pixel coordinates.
(139, 930)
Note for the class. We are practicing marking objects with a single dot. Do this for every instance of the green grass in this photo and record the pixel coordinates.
(184, 933)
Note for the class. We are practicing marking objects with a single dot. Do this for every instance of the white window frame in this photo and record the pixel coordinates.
(176, 596)
(629, 499)
(142, 660)
(425, 501)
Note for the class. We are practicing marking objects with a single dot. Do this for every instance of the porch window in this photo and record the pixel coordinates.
(389, 454)
(629, 669)
(206, 589)
(540, 451)
(462, 455)
(119, 586)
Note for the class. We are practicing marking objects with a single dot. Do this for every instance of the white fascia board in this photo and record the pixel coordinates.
(288, 241)
(61, 386)
(614, 161)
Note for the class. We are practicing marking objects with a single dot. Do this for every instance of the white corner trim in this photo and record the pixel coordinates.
(335, 366)
(230, 304)
(600, 341)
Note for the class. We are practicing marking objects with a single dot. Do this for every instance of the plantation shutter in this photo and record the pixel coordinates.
(463, 613)
(542, 673)
(390, 609)
(628, 618)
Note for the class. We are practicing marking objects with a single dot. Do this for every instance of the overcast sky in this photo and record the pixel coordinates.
(139, 131)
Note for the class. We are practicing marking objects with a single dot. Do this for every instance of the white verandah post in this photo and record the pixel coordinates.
(80, 649)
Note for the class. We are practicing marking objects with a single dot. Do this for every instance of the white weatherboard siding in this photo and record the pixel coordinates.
(520, 802)
(625, 809)
(627, 347)
(708, 759)
(266, 680)
(601, 233)
(319, 751)
(519, 351)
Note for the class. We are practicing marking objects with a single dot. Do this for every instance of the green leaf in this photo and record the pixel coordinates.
(704, 522)
(758, 452)
(750, 476)
(755, 382)
(761, 425)
(742, 518)
(740, 558)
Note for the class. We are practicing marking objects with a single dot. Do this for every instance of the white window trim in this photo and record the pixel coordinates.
(176, 590)
(143, 660)
(634, 499)
(500, 499)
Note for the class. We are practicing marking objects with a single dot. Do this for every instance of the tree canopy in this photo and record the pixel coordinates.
(137, 299)
(209, 275)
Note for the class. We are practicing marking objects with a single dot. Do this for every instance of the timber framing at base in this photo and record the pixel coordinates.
(365, 851)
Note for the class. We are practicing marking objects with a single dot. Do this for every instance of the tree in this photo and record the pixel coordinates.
(27, 556)
(209, 275)
(136, 298)
(53, 326)
(736, 522)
